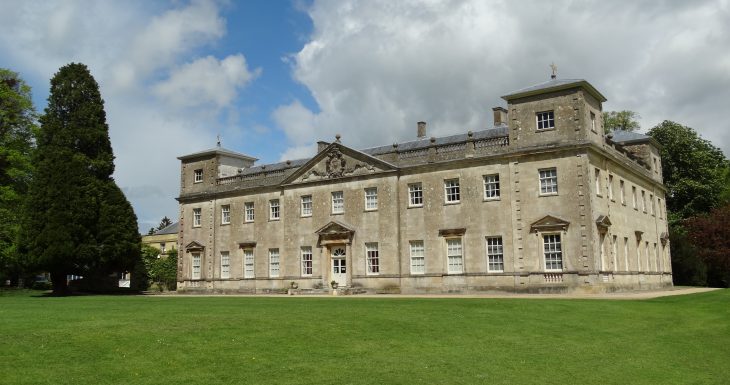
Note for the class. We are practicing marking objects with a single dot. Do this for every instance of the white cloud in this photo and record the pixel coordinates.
(127, 46)
(206, 82)
(375, 68)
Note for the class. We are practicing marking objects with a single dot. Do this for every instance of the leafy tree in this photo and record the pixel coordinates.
(620, 120)
(710, 233)
(164, 223)
(151, 231)
(76, 220)
(161, 269)
(694, 170)
(17, 123)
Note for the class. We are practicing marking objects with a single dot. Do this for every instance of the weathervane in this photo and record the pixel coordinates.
(219, 140)
(555, 71)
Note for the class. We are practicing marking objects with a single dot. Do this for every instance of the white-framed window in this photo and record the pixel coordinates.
(225, 214)
(274, 212)
(646, 256)
(553, 252)
(651, 204)
(545, 120)
(372, 258)
(248, 215)
(614, 252)
(225, 265)
(643, 201)
(163, 248)
(307, 261)
(338, 202)
(597, 173)
(371, 198)
(491, 186)
(196, 266)
(593, 122)
(418, 259)
(306, 205)
(274, 263)
(633, 197)
(495, 254)
(198, 175)
(415, 195)
(610, 186)
(638, 255)
(197, 214)
(626, 253)
(548, 181)
(455, 256)
(452, 193)
(622, 190)
(248, 267)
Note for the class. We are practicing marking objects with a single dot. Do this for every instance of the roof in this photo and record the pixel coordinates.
(217, 151)
(620, 136)
(171, 229)
(495, 132)
(553, 85)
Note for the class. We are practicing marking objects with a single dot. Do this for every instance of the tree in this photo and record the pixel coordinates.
(164, 223)
(17, 123)
(710, 233)
(695, 171)
(76, 220)
(620, 120)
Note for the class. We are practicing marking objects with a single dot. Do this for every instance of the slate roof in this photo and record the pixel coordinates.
(217, 150)
(620, 136)
(555, 85)
(171, 229)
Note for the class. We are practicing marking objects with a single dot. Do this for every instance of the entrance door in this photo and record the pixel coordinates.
(339, 266)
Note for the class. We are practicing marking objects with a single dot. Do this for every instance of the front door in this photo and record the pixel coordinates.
(339, 266)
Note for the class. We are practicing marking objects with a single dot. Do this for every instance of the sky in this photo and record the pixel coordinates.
(271, 78)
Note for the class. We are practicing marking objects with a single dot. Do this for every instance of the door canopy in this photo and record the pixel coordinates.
(334, 232)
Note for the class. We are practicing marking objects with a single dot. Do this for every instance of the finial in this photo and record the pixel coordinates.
(218, 144)
(338, 138)
(555, 71)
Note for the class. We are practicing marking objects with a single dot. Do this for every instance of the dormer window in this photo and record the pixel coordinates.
(545, 120)
(198, 175)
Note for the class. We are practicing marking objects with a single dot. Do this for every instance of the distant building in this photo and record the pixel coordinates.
(164, 239)
(541, 202)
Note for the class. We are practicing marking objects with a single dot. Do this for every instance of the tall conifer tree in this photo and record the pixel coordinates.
(67, 228)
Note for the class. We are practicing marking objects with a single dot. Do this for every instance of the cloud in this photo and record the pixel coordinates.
(206, 82)
(376, 68)
(142, 56)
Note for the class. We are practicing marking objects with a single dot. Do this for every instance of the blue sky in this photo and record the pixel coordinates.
(274, 77)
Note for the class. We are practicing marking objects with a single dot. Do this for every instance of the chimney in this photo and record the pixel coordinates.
(500, 116)
(321, 146)
(421, 130)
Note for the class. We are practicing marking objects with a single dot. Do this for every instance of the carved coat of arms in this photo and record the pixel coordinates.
(335, 164)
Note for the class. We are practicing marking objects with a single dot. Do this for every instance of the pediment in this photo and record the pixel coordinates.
(335, 227)
(334, 233)
(194, 246)
(338, 161)
(603, 223)
(549, 223)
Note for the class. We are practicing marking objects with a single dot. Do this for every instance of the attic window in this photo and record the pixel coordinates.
(545, 120)
(198, 175)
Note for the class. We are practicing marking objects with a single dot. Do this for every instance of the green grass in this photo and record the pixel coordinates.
(298, 340)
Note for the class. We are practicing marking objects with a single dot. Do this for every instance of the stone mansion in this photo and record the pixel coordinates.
(542, 201)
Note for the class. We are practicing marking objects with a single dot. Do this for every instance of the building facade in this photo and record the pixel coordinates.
(164, 239)
(541, 202)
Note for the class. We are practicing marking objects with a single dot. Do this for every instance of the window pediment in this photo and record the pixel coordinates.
(549, 223)
(603, 223)
(194, 246)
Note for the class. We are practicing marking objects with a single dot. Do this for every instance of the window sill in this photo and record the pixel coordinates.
(415, 207)
(548, 195)
(491, 199)
(274, 219)
(599, 195)
(225, 224)
(495, 271)
(545, 129)
(197, 227)
(370, 210)
(451, 203)
(306, 216)
(245, 222)
(339, 213)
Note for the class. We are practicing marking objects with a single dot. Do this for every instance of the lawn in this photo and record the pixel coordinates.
(350, 340)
